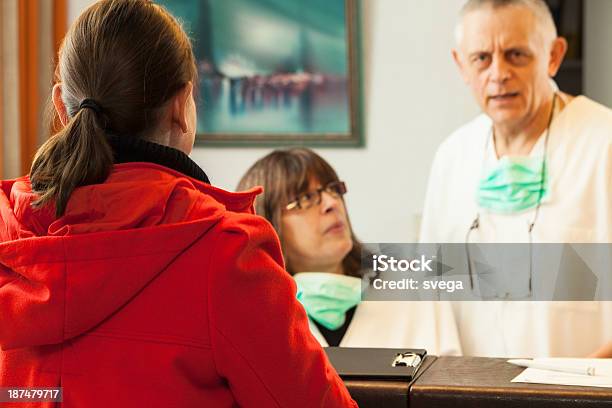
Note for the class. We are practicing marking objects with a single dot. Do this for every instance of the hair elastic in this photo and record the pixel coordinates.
(90, 104)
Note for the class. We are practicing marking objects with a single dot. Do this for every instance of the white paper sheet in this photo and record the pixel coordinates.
(537, 376)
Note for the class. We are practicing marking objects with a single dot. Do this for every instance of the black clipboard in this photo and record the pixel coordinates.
(376, 363)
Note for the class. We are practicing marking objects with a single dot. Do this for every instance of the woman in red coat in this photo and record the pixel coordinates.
(125, 277)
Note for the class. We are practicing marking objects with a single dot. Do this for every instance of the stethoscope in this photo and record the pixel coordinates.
(476, 223)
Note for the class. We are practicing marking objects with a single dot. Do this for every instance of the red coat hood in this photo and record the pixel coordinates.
(61, 277)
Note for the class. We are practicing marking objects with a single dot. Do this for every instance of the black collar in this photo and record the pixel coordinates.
(130, 149)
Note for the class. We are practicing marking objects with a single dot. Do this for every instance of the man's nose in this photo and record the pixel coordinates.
(500, 69)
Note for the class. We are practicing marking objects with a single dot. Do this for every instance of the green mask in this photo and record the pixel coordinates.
(513, 185)
(327, 296)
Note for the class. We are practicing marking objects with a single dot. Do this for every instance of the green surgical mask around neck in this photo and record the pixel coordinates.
(328, 296)
(513, 185)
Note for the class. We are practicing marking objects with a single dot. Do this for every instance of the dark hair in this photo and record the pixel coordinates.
(284, 174)
(128, 56)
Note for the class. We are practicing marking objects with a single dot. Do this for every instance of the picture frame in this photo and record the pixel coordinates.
(275, 72)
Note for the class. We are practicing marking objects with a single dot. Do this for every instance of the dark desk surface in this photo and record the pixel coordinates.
(384, 394)
(459, 382)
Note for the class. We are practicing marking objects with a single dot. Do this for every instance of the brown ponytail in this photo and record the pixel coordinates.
(130, 57)
(78, 155)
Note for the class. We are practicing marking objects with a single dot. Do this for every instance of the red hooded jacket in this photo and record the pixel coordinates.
(153, 290)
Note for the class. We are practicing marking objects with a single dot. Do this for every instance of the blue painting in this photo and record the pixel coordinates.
(274, 71)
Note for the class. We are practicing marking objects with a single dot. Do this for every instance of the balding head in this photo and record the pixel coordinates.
(539, 8)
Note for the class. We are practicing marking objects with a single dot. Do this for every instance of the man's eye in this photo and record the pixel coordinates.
(517, 57)
(481, 60)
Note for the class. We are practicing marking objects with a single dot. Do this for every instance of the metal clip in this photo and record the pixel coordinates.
(407, 359)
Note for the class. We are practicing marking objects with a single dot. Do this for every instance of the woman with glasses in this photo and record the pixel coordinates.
(304, 201)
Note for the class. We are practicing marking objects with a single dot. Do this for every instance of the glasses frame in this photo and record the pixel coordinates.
(295, 204)
(476, 223)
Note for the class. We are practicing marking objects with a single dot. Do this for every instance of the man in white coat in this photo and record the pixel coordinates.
(535, 165)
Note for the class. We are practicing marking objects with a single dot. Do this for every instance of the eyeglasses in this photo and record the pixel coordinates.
(476, 223)
(490, 293)
(306, 200)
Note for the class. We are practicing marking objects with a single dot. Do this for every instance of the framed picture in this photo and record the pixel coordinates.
(275, 72)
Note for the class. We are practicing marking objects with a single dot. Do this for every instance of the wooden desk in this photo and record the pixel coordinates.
(384, 394)
(460, 382)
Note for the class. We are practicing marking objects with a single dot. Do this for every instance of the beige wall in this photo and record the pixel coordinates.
(598, 50)
(10, 94)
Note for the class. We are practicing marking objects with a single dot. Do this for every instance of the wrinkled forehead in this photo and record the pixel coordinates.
(489, 28)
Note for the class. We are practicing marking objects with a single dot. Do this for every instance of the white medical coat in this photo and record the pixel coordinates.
(578, 208)
(380, 324)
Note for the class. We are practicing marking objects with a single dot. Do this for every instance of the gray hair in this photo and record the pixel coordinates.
(538, 7)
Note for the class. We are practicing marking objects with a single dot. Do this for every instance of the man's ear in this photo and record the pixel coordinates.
(459, 63)
(60, 108)
(179, 106)
(557, 54)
